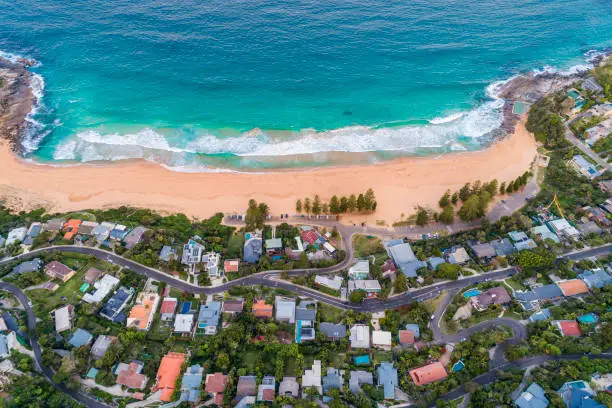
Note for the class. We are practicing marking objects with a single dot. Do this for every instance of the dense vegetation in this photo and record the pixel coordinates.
(364, 202)
(545, 122)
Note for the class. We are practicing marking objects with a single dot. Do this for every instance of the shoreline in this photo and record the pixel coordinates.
(400, 184)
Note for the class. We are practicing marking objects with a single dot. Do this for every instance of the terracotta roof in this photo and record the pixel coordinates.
(429, 373)
(261, 309)
(268, 395)
(573, 287)
(168, 306)
(71, 227)
(406, 337)
(91, 275)
(232, 306)
(570, 328)
(231, 265)
(309, 236)
(131, 377)
(215, 385)
(169, 370)
(58, 269)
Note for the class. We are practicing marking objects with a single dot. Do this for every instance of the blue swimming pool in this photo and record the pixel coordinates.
(471, 293)
(588, 318)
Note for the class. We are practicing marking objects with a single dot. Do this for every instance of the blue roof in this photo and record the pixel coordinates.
(435, 261)
(387, 377)
(543, 314)
(190, 385)
(112, 309)
(92, 373)
(596, 279)
(209, 314)
(80, 338)
(331, 380)
(410, 268)
(253, 249)
(28, 266)
(533, 397)
(415, 329)
(166, 253)
(545, 292)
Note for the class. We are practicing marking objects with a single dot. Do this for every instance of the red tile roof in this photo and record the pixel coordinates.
(570, 328)
(231, 265)
(428, 374)
(406, 337)
(573, 287)
(261, 309)
(169, 370)
(309, 236)
(168, 306)
(215, 385)
(268, 395)
(131, 377)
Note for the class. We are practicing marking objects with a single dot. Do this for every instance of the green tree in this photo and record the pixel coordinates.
(361, 203)
(502, 188)
(298, 206)
(455, 198)
(470, 210)
(344, 205)
(370, 200)
(357, 296)
(447, 216)
(465, 191)
(307, 206)
(401, 283)
(316, 205)
(445, 199)
(422, 217)
(352, 203)
(334, 205)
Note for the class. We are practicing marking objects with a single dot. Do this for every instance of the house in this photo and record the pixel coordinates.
(233, 306)
(564, 229)
(50, 286)
(285, 309)
(190, 384)
(54, 225)
(406, 337)
(34, 230)
(333, 331)
(167, 374)
(544, 233)
(211, 263)
(101, 345)
(483, 251)
(329, 247)
(71, 227)
(540, 315)
(493, 296)
(92, 275)
(359, 270)
(305, 318)
(253, 247)
(274, 247)
(590, 84)
(388, 269)
(387, 378)
(247, 386)
(403, 257)
(598, 132)
(192, 255)
(183, 324)
(584, 167)
(359, 378)
(573, 287)
(118, 233)
(596, 278)
(208, 318)
(428, 374)
(141, 315)
(130, 375)
(589, 227)
(103, 288)
(312, 378)
(167, 309)
(598, 215)
(215, 387)
(231, 265)
(80, 338)
(360, 336)
(503, 247)
(413, 327)
(167, 253)
(134, 237)
(102, 231)
(521, 240)
(87, 227)
(530, 300)
(63, 318)
(113, 308)
(262, 310)
(289, 387)
(27, 266)
(334, 283)
(58, 270)
(381, 339)
(267, 389)
(435, 261)
(371, 287)
(333, 379)
(457, 256)
(5, 352)
(16, 235)
(568, 328)
(578, 394)
(533, 397)
(309, 235)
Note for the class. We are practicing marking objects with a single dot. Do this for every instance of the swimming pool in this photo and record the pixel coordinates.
(471, 293)
(588, 318)
(519, 108)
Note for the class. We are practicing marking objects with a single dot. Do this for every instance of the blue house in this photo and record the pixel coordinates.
(253, 248)
(80, 338)
(190, 385)
(532, 397)
(387, 378)
(413, 327)
(578, 394)
(543, 314)
(596, 279)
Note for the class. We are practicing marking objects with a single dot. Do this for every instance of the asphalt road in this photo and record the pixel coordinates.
(569, 135)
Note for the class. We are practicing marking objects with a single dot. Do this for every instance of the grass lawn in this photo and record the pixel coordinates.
(380, 356)
(250, 360)
(432, 304)
(329, 313)
(365, 245)
(514, 284)
(235, 245)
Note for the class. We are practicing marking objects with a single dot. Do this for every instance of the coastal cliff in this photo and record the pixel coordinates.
(16, 100)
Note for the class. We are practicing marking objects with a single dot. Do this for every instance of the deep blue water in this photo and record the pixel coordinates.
(220, 83)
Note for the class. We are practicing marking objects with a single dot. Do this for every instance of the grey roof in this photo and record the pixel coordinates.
(591, 84)
(518, 236)
(332, 380)
(358, 378)
(387, 377)
(305, 314)
(80, 338)
(410, 268)
(533, 397)
(166, 253)
(28, 266)
(253, 250)
(289, 386)
(503, 247)
(100, 346)
(545, 292)
(209, 314)
(4, 350)
(436, 261)
(483, 250)
(332, 330)
(134, 237)
(401, 253)
(112, 309)
(2, 241)
(246, 386)
(527, 244)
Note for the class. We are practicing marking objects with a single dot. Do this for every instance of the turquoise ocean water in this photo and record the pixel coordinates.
(251, 83)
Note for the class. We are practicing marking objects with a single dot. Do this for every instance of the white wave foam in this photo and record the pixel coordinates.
(446, 119)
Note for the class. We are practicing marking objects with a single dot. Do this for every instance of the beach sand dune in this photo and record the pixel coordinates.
(400, 185)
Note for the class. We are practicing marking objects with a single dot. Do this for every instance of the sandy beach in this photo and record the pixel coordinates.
(400, 185)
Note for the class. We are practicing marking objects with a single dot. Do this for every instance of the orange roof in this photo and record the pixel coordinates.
(169, 370)
(231, 265)
(261, 309)
(429, 373)
(406, 337)
(573, 287)
(570, 328)
(71, 227)
(141, 313)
